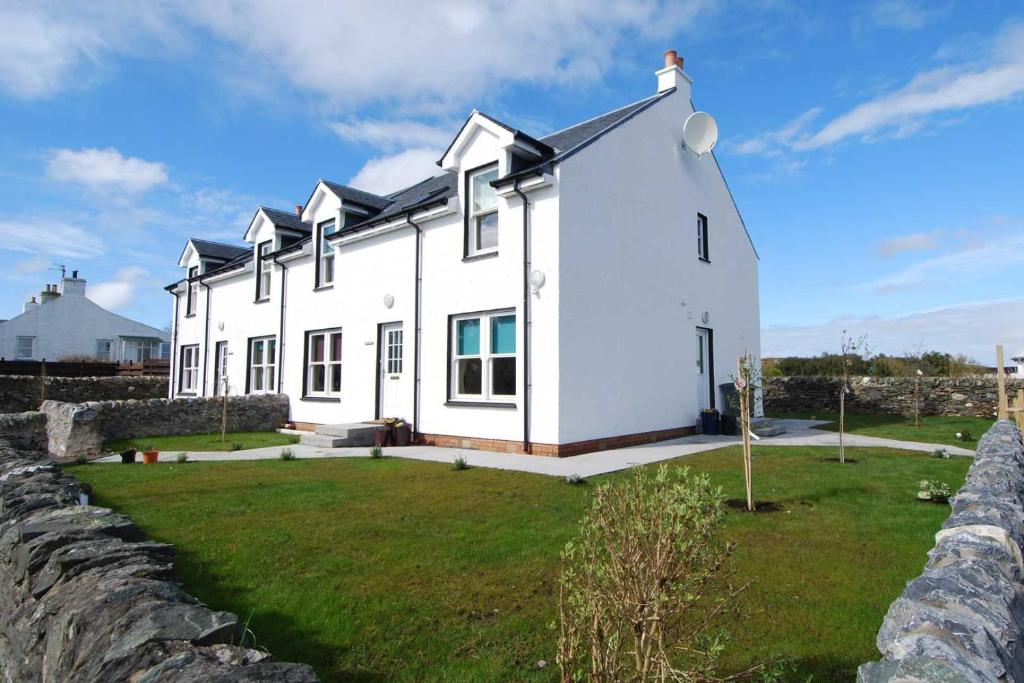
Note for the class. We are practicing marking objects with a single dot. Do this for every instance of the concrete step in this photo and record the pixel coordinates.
(354, 434)
(322, 441)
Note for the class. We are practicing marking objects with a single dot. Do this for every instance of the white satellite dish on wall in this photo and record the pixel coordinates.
(700, 133)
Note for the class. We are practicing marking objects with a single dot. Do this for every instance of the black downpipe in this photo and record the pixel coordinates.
(174, 349)
(418, 327)
(526, 315)
(280, 326)
(206, 335)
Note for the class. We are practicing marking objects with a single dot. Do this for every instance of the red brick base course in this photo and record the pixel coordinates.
(553, 449)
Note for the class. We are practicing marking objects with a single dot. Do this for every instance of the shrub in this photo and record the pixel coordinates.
(965, 435)
(237, 445)
(940, 453)
(287, 454)
(644, 582)
(575, 479)
(80, 459)
(376, 452)
(182, 458)
(460, 463)
(934, 490)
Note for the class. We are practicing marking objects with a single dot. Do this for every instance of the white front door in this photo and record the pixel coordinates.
(703, 371)
(395, 394)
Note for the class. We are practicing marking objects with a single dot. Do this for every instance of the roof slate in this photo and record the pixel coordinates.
(287, 219)
(218, 250)
(566, 139)
(426, 192)
(373, 201)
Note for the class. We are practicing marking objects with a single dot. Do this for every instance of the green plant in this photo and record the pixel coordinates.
(376, 452)
(149, 448)
(644, 582)
(459, 463)
(575, 479)
(287, 454)
(81, 459)
(964, 435)
(237, 445)
(940, 453)
(182, 457)
(934, 490)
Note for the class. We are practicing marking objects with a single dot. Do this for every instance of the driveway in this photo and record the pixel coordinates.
(798, 433)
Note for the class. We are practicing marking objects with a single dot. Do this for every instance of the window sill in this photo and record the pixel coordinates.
(453, 403)
(190, 315)
(190, 394)
(480, 256)
(705, 260)
(321, 399)
(261, 301)
(320, 288)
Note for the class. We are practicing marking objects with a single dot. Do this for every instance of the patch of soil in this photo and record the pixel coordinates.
(849, 461)
(759, 505)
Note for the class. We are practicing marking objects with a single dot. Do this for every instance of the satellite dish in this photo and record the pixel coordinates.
(700, 133)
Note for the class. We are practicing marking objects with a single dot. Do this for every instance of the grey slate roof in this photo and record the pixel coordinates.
(572, 136)
(218, 250)
(423, 193)
(355, 196)
(287, 219)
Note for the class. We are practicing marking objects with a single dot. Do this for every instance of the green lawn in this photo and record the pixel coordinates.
(934, 428)
(203, 442)
(391, 569)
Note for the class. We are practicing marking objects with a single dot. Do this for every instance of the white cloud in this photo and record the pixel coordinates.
(54, 238)
(912, 108)
(120, 291)
(918, 241)
(105, 169)
(397, 171)
(971, 328)
(393, 134)
(905, 14)
(32, 266)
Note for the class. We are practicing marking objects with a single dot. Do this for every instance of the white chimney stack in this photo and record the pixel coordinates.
(673, 76)
(29, 305)
(73, 286)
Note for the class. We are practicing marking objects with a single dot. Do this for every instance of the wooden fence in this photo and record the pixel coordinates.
(45, 368)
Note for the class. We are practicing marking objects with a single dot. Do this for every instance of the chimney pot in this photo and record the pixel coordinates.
(74, 274)
(298, 210)
(672, 58)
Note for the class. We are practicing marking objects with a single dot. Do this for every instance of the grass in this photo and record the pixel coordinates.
(204, 442)
(939, 429)
(391, 569)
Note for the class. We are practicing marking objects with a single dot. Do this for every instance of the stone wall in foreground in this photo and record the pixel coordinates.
(975, 395)
(963, 618)
(19, 393)
(81, 428)
(86, 597)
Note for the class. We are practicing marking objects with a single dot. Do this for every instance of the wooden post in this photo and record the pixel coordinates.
(917, 399)
(224, 412)
(1019, 405)
(1001, 382)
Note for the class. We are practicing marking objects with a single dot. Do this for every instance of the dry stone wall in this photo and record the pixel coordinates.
(976, 395)
(81, 428)
(963, 618)
(85, 597)
(20, 393)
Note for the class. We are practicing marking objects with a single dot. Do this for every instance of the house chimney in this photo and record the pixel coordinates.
(298, 210)
(673, 76)
(48, 294)
(73, 286)
(29, 305)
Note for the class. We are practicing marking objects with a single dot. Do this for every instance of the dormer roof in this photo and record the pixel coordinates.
(211, 251)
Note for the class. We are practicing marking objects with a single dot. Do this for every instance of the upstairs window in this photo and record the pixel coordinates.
(702, 237)
(193, 291)
(482, 212)
(325, 254)
(483, 363)
(263, 271)
(25, 348)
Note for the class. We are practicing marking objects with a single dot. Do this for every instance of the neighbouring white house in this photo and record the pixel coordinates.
(555, 295)
(62, 322)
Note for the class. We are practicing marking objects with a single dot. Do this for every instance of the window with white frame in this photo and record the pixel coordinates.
(220, 369)
(482, 212)
(325, 254)
(262, 365)
(323, 363)
(193, 291)
(103, 347)
(263, 271)
(188, 379)
(483, 363)
(25, 347)
(702, 237)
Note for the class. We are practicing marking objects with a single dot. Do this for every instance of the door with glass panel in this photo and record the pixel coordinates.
(703, 368)
(394, 389)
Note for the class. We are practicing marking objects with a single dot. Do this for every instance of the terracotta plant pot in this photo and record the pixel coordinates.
(150, 457)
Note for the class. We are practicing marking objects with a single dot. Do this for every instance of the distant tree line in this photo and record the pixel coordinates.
(930, 363)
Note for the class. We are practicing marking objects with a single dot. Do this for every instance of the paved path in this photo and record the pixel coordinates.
(798, 433)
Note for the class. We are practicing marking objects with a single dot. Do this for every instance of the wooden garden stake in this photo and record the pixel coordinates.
(1001, 382)
(744, 376)
(917, 399)
(1019, 405)
(224, 413)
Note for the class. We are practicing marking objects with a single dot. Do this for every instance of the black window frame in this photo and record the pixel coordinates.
(190, 300)
(260, 267)
(703, 249)
(181, 369)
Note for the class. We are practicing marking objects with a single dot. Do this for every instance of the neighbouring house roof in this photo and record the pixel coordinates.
(287, 219)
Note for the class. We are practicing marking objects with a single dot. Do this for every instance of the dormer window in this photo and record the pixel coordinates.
(481, 212)
(263, 271)
(325, 254)
(193, 290)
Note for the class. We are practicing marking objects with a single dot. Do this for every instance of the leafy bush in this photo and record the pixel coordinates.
(934, 490)
(237, 445)
(575, 479)
(644, 583)
(287, 454)
(376, 452)
(182, 457)
(460, 463)
(940, 453)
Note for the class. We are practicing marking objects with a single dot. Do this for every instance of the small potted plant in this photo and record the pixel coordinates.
(150, 454)
(401, 432)
(384, 435)
(709, 421)
(128, 456)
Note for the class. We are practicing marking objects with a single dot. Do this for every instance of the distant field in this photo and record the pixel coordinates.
(934, 428)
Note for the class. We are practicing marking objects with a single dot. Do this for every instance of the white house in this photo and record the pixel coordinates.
(553, 295)
(63, 322)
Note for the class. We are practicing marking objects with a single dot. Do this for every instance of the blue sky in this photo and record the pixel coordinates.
(874, 149)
